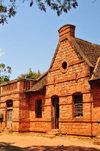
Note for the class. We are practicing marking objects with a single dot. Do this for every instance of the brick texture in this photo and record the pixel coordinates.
(62, 83)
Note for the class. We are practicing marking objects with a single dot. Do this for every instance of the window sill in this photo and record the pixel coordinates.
(78, 118)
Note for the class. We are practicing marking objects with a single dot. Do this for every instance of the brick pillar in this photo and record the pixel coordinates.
(98, 129)
(66, 32)
(97, 139)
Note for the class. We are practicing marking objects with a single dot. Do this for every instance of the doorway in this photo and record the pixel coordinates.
(55, 113)
(9, 118)
(9, 113)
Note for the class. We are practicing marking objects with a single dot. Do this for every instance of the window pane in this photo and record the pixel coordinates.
(78, 105)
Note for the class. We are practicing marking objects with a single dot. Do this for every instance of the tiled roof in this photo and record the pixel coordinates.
(90, 53)
(96, 72)
(40, 84)
(90, 50)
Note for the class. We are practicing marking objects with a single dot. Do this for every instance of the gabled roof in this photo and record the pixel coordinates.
(96, 72)
(88, 51)
(40, 84)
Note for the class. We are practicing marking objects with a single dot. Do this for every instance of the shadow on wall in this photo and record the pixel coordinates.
(10, 147)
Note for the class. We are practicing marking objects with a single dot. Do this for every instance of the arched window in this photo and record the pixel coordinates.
(9, 103)
(39, 109)
(78, 104)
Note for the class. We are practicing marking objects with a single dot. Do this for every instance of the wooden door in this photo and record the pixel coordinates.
(9, 118)
(55, 117)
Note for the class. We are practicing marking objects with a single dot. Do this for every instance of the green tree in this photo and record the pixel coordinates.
(9, 9)
(4, 73)
(30, 75)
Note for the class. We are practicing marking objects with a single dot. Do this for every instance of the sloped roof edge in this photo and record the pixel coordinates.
(40, 84)
(96, 72)
(54, 55)
(44, 74)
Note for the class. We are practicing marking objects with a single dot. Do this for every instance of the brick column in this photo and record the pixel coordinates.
(98, 135)
(97, 139)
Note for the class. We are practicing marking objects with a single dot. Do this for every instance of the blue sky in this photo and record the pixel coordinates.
(29, 40)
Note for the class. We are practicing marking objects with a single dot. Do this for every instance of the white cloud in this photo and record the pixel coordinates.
(1, 52)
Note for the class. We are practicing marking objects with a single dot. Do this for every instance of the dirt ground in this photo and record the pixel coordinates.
(35, 142)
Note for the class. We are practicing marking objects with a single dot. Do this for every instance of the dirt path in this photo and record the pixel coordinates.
(13, 142)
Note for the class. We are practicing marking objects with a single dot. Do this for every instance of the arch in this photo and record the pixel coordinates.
(54, 96)
(9, 103)
(77, 93)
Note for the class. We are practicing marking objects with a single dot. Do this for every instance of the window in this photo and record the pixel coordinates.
(39, 108)
(9, 103)
(78, 105)
(64, 65)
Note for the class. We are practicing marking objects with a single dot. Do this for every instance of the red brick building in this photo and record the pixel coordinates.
(66, 97)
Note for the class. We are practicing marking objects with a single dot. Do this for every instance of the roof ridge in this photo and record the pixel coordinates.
(87, 41)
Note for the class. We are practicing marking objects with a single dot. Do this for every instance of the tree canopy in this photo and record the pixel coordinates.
(5, 72)
(8, 9)
(30, 75)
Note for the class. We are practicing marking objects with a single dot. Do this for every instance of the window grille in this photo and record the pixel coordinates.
(78, 105)
(39, 108)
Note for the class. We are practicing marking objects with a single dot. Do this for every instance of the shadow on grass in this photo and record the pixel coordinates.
(11, 147)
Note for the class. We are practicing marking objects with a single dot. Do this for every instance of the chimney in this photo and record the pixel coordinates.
(66, 32)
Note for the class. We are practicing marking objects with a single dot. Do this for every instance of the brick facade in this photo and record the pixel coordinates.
(69, 75)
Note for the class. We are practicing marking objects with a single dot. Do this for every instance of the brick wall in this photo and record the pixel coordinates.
(96, 105)
(14, 91)
(39, 124)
